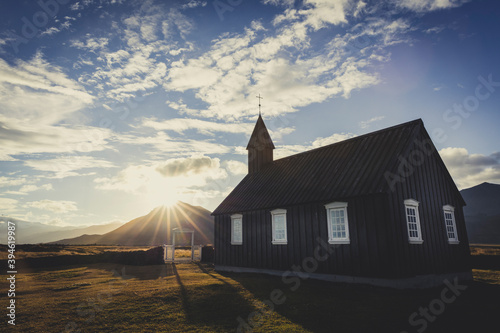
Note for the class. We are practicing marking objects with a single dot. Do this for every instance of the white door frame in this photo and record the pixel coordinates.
(182, 231)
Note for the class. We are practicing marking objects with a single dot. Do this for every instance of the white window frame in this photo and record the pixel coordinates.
(274, 213)
(451, 210)
(413, 204)
(234, 218)
(340, 206)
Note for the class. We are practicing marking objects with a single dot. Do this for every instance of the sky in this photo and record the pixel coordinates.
(109, 108)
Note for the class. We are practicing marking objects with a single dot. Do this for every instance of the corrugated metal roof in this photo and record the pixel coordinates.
(345, 169)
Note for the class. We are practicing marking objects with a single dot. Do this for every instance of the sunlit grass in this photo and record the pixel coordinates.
(137, 299)
(36, 251)
(193, 297)
(478, 249)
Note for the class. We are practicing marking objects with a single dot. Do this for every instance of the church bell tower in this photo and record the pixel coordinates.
(260, 147)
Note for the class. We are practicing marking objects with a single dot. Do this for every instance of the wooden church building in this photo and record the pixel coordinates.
(378, 209)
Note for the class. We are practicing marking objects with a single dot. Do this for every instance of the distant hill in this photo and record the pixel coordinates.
(482, 213)
(155, 228)
(36, 232)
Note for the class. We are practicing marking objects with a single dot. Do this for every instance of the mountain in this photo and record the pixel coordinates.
(482, 213)
(155, 228)
(95, 229)
(36, 232)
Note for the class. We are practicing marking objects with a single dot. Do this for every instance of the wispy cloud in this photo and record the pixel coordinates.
(238, 64)
(11, 181)
(187, 166)
(236, 167)
(92, 44)
(138, 63)
(66, 166)
(33, 188)
(50, 31)
(287, 150)
(60, 207)
(367, 123)
(194, 4)
(334, 138)
(429, 5)
(8, 205)
(160, 145)
(35, 97)
(181, 125)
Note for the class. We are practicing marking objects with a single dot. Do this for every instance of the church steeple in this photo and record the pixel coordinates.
(260, 147)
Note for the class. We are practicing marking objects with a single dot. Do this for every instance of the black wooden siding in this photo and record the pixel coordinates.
(368, 253)
(429, 184)
(258, 158)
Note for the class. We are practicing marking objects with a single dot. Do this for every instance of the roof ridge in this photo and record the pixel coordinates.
(416, 121)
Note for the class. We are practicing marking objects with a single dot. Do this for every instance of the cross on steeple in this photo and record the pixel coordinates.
(259, 102)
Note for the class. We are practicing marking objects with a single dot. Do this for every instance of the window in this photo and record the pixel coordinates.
(236, 229)
(279, 226)
(413, 222)
(338, 224)
(449, 221)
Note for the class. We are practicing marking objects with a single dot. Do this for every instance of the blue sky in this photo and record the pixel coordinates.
(109, 108)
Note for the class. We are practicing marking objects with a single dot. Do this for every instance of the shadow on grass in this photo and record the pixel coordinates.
(152, 272)
(214, 303)
(325, 307)
(486, 262)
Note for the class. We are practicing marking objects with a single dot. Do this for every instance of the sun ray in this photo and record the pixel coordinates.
(159, 222)
(190, 221)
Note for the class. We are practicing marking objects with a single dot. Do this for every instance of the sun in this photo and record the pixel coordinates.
(161, 192)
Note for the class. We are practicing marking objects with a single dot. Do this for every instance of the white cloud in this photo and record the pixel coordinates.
(50, 31)
(180, 125)
(334, 138)
(61, 206)
(367, 123)
(29, 89)
(66, 166)
(33, 188)
(175, 19)
(285, 3)
(287, 150)
(429, 5)
(8, 205)
(434, 30)
(50, 139)
(92, 44)
(194, 4)
(187, 166)
(8, 181)
(161, 144)
(468, 169)
(35, 97)
(138, 63)
(76, 6)
(236, 167)
(285, 64)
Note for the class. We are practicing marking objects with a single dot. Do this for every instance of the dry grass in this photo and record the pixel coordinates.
(193, 297)
(35, 251)
(485, 249)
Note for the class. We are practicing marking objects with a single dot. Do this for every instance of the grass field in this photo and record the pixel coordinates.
(192, 297)
(34, 251)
